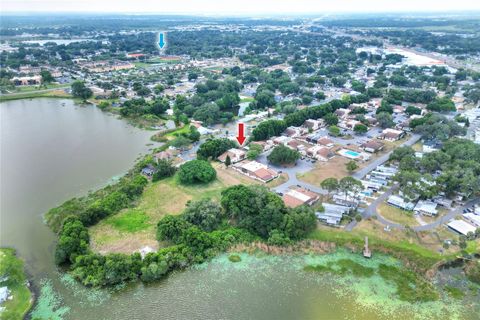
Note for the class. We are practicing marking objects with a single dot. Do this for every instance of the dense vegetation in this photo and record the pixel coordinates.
(12, 275)
(455, 169)
(196, 171)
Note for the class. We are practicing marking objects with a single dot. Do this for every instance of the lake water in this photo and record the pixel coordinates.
(52, 150)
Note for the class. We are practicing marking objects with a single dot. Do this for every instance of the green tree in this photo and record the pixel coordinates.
(164, 169)
(196, 171)
(204, 213)
(73, 241)
(46, 76)
(385, 120)
(351, 166)
(282, 155)
(330, 184)
(331, 119)
(171, 228)
(213, 148)
(228, 161)
(254, 151)
(80, 91)
(360, 128)
(334, 131)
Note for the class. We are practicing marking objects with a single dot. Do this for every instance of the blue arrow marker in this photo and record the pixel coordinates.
(161, 40)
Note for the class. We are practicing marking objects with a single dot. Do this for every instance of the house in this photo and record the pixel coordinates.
(472, 218)
(325, 141)
(431, 146)
(293, 132)
(342, 113)
(266, 145)
(332, 214)
(256, 170)
(299, 196)
(461, 227)
(372, 146)
(400, 203)
(281, 140)
(348, 124)
(427, 208)
(164, 155)
(347, 200)
(444, 202)
(148, 170)
(320, 153)
(295, 144)
(235, 155)
(313, 124)
(392, 134)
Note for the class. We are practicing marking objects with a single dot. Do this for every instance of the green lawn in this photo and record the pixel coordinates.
(35, 94)
(12, 267)
(133, 220)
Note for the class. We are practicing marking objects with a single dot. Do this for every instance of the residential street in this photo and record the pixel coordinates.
(360, 174)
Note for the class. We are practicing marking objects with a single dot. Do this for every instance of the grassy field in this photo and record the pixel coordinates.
(35, 94)
(397, 215)
(12, 267)
(134, 228)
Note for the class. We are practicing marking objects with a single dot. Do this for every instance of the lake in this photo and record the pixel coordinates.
(52, 150)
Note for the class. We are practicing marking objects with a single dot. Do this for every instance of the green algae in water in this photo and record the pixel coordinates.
(91, 296)
(234, 258)
(342, 267)
(454, 292)
(354, 278)
(49, 304)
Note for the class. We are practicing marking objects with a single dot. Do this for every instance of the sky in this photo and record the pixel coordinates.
(237, 7)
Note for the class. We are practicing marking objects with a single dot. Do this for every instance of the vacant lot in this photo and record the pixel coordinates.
(134, 228)
(397, 215)
(335, 168)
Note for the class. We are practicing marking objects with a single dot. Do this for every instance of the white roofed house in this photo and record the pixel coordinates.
(256, 170)
(235, 155)
(399, 202)
(392, 134)
(427, 208)
(332, 213)
(461, 227)
(474, 219)
(320, 153)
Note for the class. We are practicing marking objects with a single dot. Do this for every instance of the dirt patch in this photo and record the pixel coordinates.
(334, 168)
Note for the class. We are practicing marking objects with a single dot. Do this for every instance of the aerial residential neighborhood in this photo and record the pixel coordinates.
(277, 166)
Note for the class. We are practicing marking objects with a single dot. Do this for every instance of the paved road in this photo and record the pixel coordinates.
(302, 166)
(360, 174)
(372, 211)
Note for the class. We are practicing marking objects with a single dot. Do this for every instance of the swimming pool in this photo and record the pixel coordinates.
(352, 153)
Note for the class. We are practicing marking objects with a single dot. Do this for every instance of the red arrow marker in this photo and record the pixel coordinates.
(241, 133)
